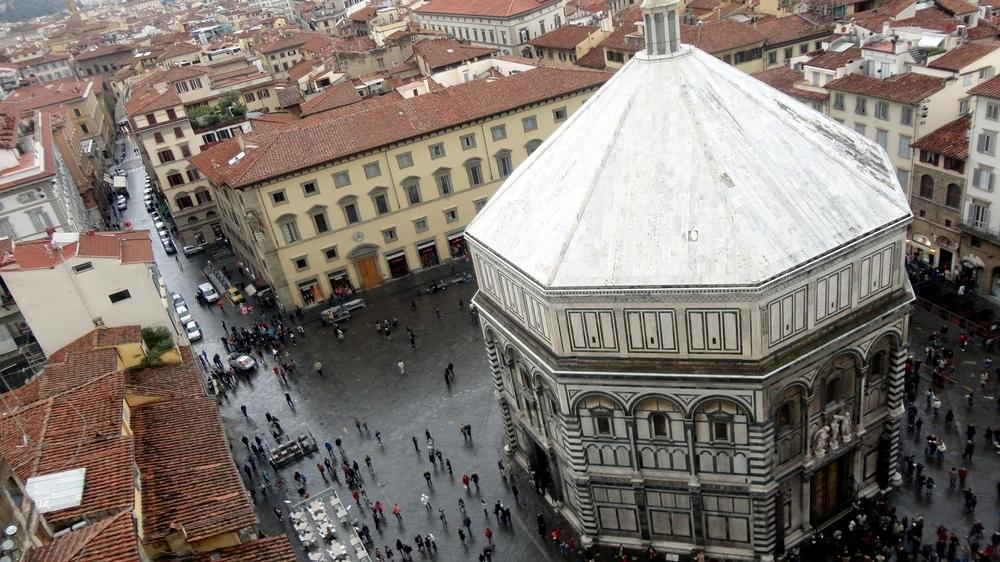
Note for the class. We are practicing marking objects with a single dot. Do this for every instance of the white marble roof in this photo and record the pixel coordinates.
(683, 171)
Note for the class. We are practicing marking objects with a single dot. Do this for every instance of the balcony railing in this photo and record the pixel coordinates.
(980, 228)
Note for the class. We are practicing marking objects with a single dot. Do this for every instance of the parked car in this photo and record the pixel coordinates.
(435, 287)
(148, 192)
(122, 203)
(193, 331)
(184, 315)
(334, 315)
(234, 295)
(177, 299)
(168, 246)
(192, 250)
(241, 362)
(208, 292)
(164, 234)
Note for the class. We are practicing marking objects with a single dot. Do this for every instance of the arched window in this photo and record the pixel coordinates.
(720, 421)
(183, 201)
(601, 412)
(665, 420)
(953, 198)
(926, 187)
(532, 146)
(838, 379)
(832, 390)
(192, 219)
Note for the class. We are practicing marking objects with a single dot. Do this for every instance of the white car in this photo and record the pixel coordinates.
(164, 234)
(192, 250)
(148, 191)
(193, 331)
(241, 362)
(184, 314)
(177, 299)
(208, 292)
(122, 203)
(158, 225)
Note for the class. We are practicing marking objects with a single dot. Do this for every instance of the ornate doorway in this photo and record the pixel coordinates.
(831, 488)
(364, 258)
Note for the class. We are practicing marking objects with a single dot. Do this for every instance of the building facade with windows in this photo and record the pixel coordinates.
(390, 195)
(508, 26)
(730, 406)
(158, 107)
(37, 191)
(938, 193)
(980, 222)
(90, 279)
(893, 112)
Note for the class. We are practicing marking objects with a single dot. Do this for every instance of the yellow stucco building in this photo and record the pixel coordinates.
(368, 193)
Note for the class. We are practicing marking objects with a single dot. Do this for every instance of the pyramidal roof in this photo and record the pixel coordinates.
(683, 171)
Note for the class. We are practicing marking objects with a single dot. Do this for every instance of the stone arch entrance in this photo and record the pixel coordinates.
(365, 260)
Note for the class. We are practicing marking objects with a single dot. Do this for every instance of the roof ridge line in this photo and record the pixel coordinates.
(593, 184)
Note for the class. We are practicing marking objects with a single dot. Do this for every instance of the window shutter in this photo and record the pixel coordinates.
(975, 177)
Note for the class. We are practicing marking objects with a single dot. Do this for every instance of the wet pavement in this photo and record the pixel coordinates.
(362, 380)
(946, 505)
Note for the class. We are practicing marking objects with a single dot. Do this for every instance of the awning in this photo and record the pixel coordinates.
(395, 255)
(922, 240)
(456, 236)
(930, 41)
(428, 244)
(973, 261)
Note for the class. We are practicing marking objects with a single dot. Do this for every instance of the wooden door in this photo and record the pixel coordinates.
(368, 272)
(830, 488)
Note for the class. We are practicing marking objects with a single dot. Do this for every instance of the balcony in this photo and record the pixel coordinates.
(980, 228)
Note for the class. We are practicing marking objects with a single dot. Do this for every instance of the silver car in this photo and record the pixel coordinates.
(193, 331)
(184, 314)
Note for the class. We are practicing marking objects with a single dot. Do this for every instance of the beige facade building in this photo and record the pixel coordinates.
(158, 107)
(506, 25)
(937, 193)
(91, 279)
(356, 197)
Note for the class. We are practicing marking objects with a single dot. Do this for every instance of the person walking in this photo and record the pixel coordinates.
(318, 367)
(402, 367)
(489, 535)
(288, 398)
(416, 446)
(427, 477)
(243, 408)
(396, 512)
(963, 473)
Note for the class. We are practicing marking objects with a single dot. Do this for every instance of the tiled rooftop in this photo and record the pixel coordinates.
(322, 138)
(910, 88)
(951, 140)
(485, 8)
(565, 37)
(439, 53)
(960, 57)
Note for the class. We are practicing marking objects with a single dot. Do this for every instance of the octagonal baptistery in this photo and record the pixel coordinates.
(695, 309)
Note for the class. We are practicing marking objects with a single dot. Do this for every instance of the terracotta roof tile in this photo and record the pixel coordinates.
(180, 380)
(717, 36)
(332, 97)
(128, 247)
(112, 539)
(190, 482)
(960, 57)
(784, 79)
(791, 28)
(565, 37)
(910, 88)
(103, 51)
(364, 14)
(593, 59)
(487, 8)
(177, 50)
(438, 53)
(983, 30)
(989, 88)
(322, 138)
(271, 549)
(956, 7)
(930, 18)
(832, 60)
(950, 140)
(56, 92)
(310, 41)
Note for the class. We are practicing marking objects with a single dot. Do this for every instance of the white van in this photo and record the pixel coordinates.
(208, 292)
